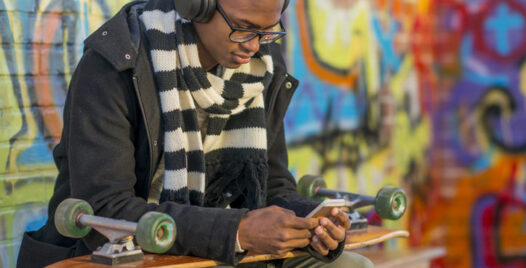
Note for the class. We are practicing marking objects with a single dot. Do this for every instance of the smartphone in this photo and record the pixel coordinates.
(325, 207)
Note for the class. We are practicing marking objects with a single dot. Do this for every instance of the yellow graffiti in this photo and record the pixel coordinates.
(493, 98)
(10, 119)
(333, 28)
(336, 29)
(13, 120)
(304, 160)
(409, 145)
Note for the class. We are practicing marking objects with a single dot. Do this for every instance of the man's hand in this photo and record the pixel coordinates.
(330, 232)
(274, 230)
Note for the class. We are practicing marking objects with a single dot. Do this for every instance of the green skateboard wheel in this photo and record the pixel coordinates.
(67, 214)
(307, 186)
(155, 232)
(390, 203)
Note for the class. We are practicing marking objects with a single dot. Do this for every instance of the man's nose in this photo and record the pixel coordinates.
(252, 45)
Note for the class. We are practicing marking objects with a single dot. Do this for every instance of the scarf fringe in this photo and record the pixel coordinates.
(238, 178)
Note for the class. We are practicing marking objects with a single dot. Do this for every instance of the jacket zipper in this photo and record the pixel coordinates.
(148, 135)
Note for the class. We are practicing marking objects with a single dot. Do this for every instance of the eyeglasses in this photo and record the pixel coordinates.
(241, 35)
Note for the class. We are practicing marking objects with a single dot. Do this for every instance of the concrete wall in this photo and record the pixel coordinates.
(427, 95)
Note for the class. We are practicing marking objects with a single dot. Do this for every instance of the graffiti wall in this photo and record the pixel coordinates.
(427, 95)
(41, 42)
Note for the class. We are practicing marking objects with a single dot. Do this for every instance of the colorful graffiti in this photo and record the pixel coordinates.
(428, 95)
(41, 45)
(358, 117)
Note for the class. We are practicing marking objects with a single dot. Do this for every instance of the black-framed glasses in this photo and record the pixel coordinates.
(241, 35)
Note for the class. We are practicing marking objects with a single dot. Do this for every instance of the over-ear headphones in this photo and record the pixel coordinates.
(201, 10)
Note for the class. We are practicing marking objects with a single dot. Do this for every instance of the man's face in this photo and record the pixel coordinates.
(214, 44)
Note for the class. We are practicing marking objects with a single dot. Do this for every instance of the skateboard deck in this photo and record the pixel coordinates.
(355, 239)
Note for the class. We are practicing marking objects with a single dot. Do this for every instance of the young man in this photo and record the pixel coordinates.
(185, 117)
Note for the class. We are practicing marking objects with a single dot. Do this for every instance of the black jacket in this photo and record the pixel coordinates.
(112, 143)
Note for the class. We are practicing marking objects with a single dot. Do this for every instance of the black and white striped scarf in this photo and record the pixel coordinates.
(233, 154)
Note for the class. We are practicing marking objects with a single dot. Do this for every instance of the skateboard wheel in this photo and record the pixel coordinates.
(67, 214)
(390, 203)
(307, 186)
(155, 232)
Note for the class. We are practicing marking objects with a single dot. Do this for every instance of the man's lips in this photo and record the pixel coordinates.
(241, 59)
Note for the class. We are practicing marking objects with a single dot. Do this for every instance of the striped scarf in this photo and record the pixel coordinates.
(233, 153)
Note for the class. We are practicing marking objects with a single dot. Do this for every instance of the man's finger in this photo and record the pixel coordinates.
(319, 246)
(297, 243)
(325, 238)
(337, 233)
(341, 217)
(302, 223)
(292, 234)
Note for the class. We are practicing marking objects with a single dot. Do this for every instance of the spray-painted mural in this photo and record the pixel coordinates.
(41, 44)
(427, 95)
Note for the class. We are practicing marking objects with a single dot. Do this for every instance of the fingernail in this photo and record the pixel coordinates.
(319, 231)
(315, 239)
(335, 211)
(324, 222)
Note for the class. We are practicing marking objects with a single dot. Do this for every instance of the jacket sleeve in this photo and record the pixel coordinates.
(100, 127)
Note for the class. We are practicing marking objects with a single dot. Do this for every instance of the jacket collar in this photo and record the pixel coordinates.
(118, 39)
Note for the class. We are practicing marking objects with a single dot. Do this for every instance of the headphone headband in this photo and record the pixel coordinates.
(202, 10)
(285, 5)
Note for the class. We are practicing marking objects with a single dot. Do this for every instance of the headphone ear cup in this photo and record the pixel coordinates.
(188, 9)
(208, 9)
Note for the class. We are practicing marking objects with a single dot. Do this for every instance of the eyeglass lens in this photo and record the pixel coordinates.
(243, 36)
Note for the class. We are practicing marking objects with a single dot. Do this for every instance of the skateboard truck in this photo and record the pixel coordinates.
(390, 202)
(120, 252)
(155, 232)
(357, 221)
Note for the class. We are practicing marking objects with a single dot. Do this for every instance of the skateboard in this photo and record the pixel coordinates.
(155, 232)
(355, 239)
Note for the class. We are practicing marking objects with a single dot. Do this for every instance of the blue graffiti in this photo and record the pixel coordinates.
(390, 59)
(309, 108)
(38, 154)
(502, 24)
(475, 76)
